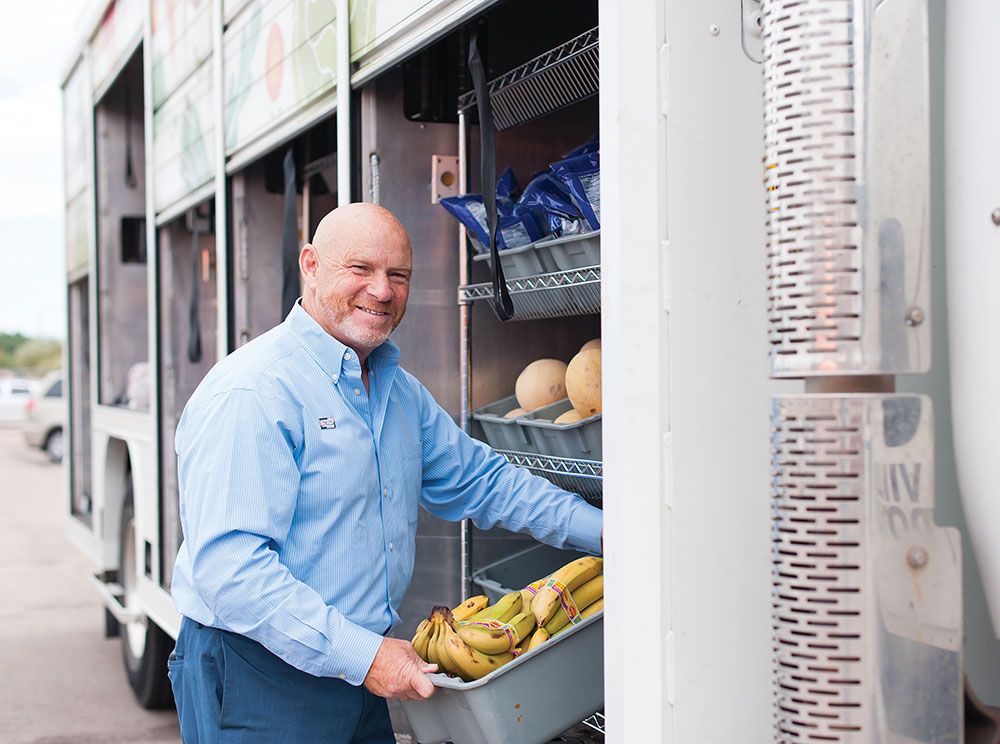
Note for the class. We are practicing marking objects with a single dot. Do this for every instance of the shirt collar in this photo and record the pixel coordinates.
(328, 351)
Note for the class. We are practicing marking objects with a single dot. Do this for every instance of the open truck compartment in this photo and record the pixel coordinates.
(534, 697)
(767, 196)
(526, 701)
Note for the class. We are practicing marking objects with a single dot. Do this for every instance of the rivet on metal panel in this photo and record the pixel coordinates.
(996, 216)
(916, 557)
(914, 316)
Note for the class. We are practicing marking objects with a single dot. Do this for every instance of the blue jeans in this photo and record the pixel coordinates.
(230, 689)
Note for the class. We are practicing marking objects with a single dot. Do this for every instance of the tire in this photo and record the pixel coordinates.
(55, 445)
(145, 647)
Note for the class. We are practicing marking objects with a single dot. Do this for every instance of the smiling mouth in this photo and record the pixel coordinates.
(376, 313)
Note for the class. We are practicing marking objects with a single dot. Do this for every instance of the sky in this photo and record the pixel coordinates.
(36, 42)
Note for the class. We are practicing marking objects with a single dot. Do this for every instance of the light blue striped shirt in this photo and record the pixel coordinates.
(299, 496)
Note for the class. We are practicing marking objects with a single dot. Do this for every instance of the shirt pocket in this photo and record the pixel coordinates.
(401, 441)
(411, 478)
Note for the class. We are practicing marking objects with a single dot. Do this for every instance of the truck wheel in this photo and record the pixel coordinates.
(54, 445)
(145, 646)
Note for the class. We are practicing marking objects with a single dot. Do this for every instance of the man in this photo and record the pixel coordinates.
(302, 459)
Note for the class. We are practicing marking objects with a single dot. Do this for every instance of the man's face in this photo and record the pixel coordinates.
(362, 286)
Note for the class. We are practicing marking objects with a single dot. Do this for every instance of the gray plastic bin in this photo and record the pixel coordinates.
(503, 433)
(532, 698)
(573, 251)
(526, 701)
(525, 260)
(515, 572)
(580, 440)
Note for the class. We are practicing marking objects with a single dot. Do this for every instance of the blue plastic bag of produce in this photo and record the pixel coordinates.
(515, 227)
(550, 201)
(506, 192)
(513, 230)
(582, 176)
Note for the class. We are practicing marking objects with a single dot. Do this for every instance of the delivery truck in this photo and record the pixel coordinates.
(781, 218)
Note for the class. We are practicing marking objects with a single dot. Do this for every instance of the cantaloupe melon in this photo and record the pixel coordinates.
(569, 417)
(514, 412)
(583, 382)
(540, 383)
(594, 343)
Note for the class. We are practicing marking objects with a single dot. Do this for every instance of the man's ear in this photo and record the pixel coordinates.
(308, 264)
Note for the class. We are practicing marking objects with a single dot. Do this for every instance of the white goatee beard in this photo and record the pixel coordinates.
(356, 337)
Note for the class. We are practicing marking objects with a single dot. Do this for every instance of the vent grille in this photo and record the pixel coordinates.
(812, 79)
(817, 577)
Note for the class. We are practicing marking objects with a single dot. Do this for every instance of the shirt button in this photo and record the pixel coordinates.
(347, 355)
(390, 546)
(385, 491)
(342, 676)
(357, 391)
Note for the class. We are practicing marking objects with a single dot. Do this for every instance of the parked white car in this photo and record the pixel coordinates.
(14, 394)
(44, 423)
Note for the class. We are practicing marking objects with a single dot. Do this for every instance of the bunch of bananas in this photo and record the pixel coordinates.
(475, 638)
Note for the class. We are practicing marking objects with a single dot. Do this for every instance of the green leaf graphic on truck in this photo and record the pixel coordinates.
(314, 45)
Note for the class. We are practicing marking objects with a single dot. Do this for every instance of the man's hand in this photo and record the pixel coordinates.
(398, 672)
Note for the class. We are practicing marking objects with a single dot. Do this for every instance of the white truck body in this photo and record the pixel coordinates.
(196, 102)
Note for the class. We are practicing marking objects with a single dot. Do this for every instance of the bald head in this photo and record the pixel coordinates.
(356, 275)
(351, 223)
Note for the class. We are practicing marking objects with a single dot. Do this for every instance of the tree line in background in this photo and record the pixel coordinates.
(31, 356)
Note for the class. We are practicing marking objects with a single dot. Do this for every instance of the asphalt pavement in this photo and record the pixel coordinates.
(61, 680)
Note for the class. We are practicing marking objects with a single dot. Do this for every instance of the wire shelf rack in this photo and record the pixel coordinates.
(555, 295)
(595, 722)
(547, 83)
(584, 477)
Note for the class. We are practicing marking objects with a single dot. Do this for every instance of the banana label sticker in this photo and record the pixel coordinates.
(572, 612)
(513, 637)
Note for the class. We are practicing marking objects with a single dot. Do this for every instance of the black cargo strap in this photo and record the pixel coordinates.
(130, 181)
(289, 241)
(194, 328)
(502, 304)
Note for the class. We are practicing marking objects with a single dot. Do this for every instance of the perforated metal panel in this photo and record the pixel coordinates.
(866, 589)
(812, 183)
(819, 550)
(847, 178)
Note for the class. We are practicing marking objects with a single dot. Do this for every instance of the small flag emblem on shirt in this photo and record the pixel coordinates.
(327, 422)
